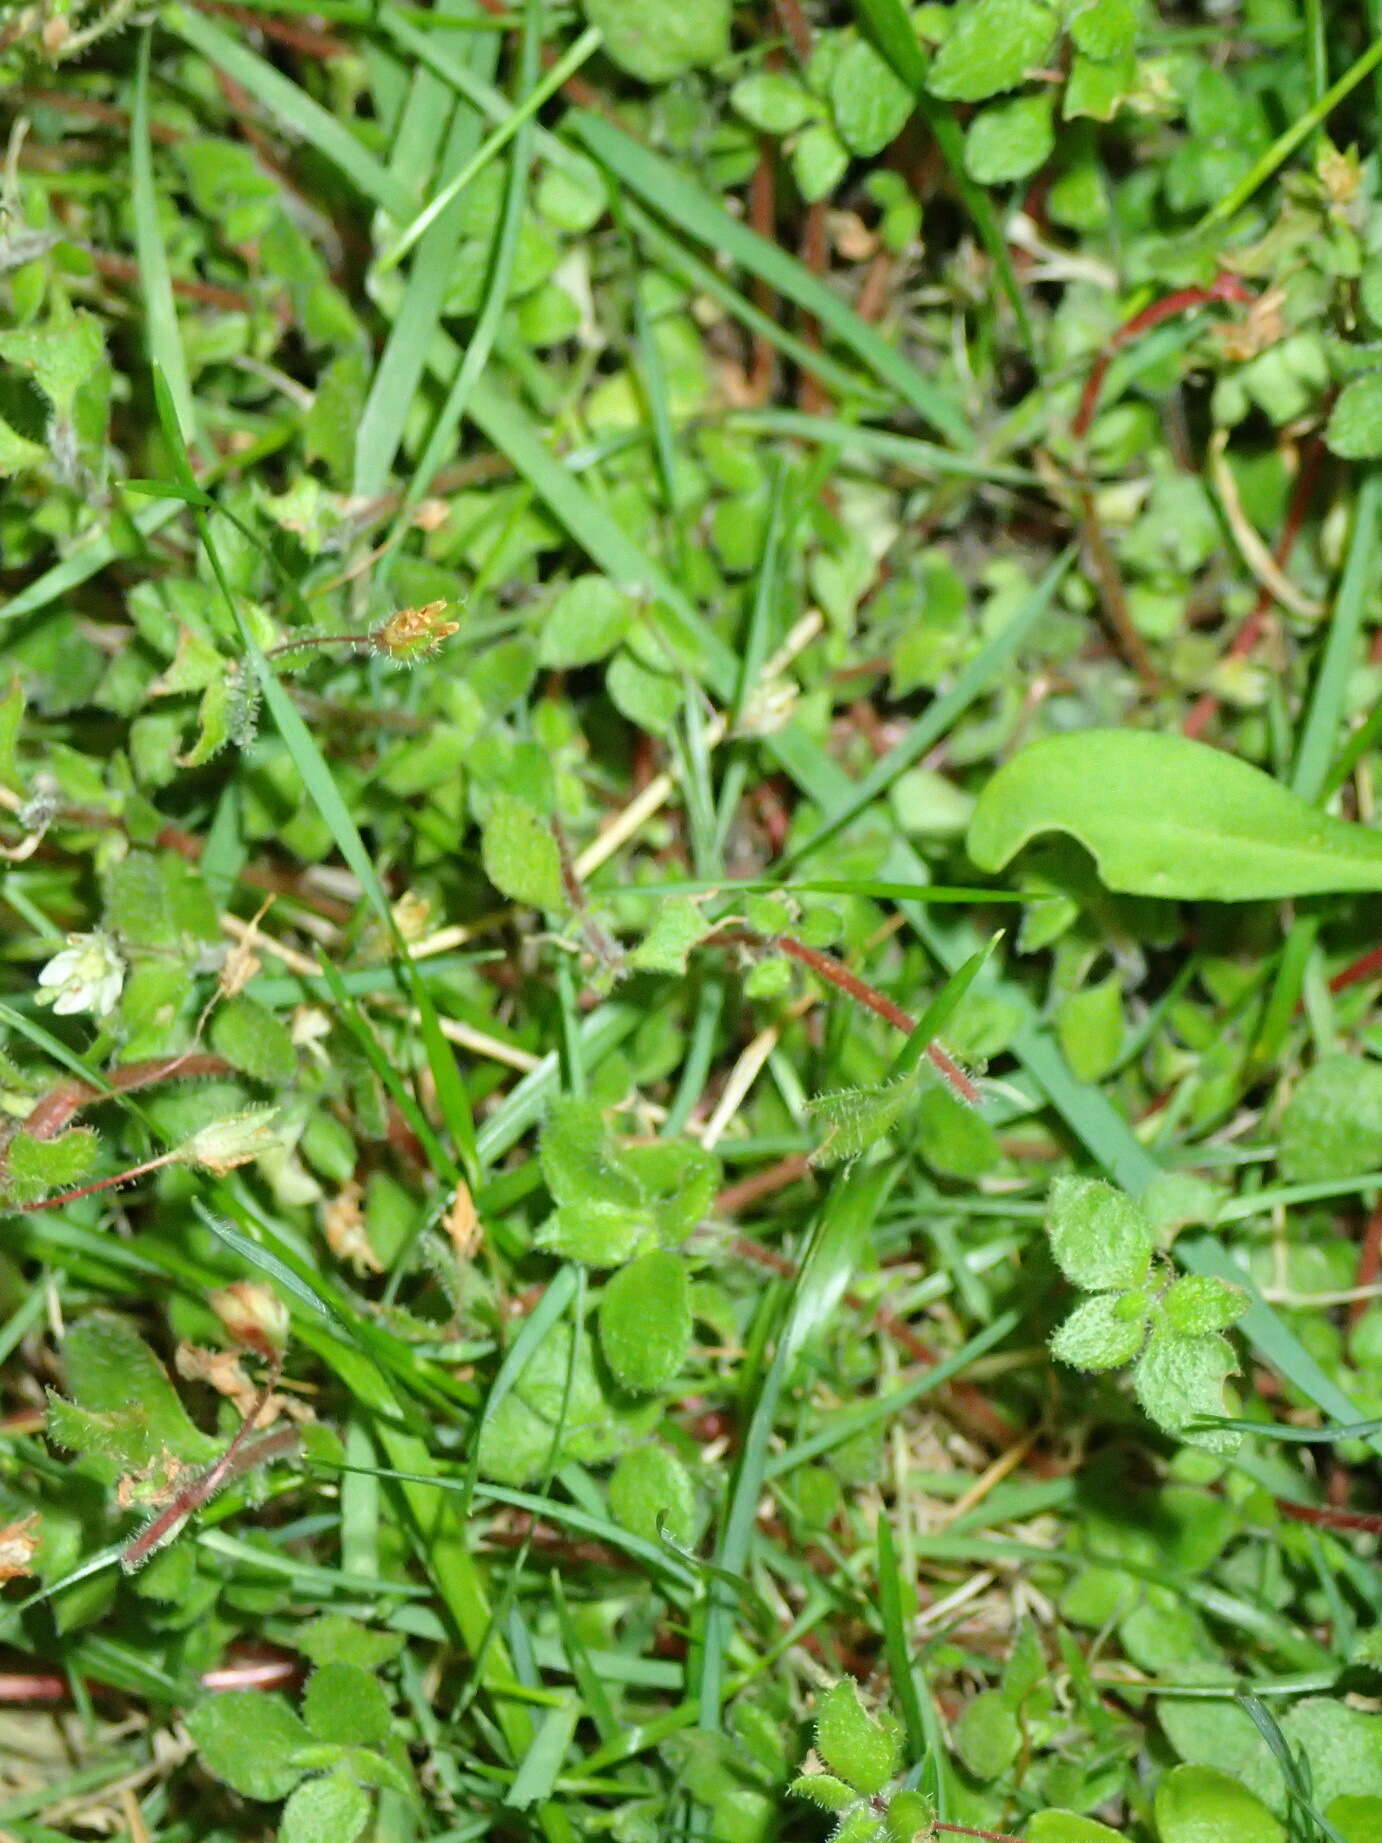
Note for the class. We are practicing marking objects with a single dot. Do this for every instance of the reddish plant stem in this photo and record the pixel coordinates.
(1224, 287)
(812, 395)
(305, 640)
(795, 26)
(1366, 966)
(762, 219)
(102, 1183)
(306, 39)
(1369, 1263)
(873, 296)
(92, 109)
(989, 1836)
(750, 1190)
(56, 1109)
(244, 1673)
(240, 1456)
(1203, 711)
(1331, 1519)
(1113, 597)
(879, 1003)
(206, 294)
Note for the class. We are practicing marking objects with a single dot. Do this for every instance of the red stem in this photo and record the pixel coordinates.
(1224, 287)
(879, 1003)
(1331, 1519)
(103, 1183)
(56, 1109)
(1364, 967)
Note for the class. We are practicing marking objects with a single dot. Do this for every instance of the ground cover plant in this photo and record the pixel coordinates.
(692, 1098)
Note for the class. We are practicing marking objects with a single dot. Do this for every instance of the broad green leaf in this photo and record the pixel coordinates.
(656, 40)
(991, 47)
(253, 1040)
(953, 1137)
(587, 620)
(1200, 1804)
(1104, 1332)
(110, 1369)
(1056, 1826)
(577, 1156)
(772, 102)
(1342, 1744)
(250, 1741)
(1164, 816)
(819, 160)
(909, 1816)
(344, 1702)
(1180, 1379)
(332, 1809)
(1009, 140)
(60, 357)
(1097, 89)
(859, 1826)
(17, 453)
(36, 1166)
(1357, 1820)
(520, 854)
(855, 1119)
(645, 1321)
(596, 1233)
(871, 105)
(1106, 28)
(677, 1179)
(678, 926)
(865, 1752)
(1090, 1027)
(1354, 429)
(1197, 1303)
(1332, 1125)
(987, 1735)
(1100, 1238)
(333, 1639)
(824, 1790)
(650, 1484)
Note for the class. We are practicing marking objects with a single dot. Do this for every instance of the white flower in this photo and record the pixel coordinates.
(86, 976)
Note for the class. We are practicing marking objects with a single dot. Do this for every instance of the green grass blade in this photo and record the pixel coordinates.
(1354, 601)
(155, 281)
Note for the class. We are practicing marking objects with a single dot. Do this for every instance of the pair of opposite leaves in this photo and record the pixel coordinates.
(1164, 816)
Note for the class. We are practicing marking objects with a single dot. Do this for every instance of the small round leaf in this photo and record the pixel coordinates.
(330, 1810)
(1100, 1335)
(1100, 1238)
(1200, 1804)
(344, 1703)
(651, 1484)
(987, 1737)
(645, 1321)
(862, 1751)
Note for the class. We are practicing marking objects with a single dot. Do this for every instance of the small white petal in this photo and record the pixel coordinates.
(73, 998)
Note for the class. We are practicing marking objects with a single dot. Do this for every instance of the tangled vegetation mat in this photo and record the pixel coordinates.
(691, 1079)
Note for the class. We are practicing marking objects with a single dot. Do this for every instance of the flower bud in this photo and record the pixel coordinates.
(224, 1144)
(253, 1317)
(413, 633)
